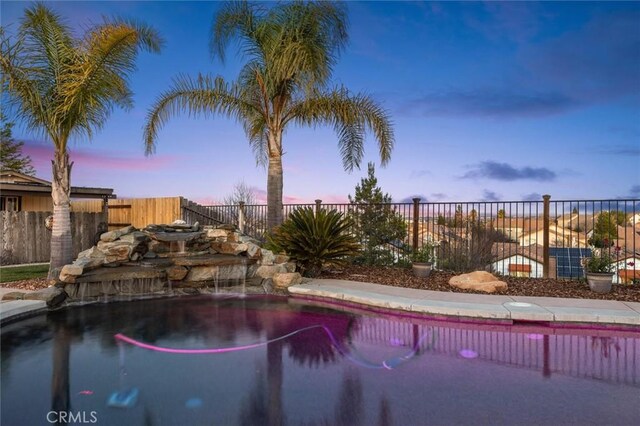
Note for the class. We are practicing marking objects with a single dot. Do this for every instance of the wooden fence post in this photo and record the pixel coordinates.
(416, 218)
(241, 217)
(545, 236)
(318, 205)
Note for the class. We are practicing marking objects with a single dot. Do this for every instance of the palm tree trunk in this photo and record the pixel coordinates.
(274, 182)
(61, 243)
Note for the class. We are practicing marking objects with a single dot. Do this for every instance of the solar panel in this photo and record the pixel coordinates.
(569, 261)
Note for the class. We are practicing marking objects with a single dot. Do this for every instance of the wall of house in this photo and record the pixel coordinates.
(624, 264)
(502, 266)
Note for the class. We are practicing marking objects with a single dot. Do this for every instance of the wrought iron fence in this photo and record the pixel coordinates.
(519, 238)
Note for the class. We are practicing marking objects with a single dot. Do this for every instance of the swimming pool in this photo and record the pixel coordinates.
(271, 361)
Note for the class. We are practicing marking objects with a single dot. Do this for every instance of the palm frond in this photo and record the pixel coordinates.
(205, 95)
(351, 116)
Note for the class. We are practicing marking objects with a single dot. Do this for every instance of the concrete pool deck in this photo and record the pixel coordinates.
(495, 307)
(492, 307)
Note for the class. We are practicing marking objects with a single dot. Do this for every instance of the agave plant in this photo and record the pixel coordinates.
(316, 239)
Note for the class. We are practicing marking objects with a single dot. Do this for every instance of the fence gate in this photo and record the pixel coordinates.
(119, 215)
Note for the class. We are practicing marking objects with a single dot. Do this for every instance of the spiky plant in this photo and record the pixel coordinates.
(64, 87)
(290, 49)
(316, 239)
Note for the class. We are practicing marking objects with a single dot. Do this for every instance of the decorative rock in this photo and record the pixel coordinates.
(117, 251)
(178, 222)
(291, 266)
(267, 285)
(14, 295)
(216, 273)
(229, 248)
(176, 236)
(281, 258)
(150, 255)
(287, 279)
(135, 257)
(478, 280)
(195, 227)
(176, 273)
(121, 274)
(228, 227)
(114, 235)
(253, 251)
(217, 233)
(268, 271)
(268, 258)
(52, 295)
(135, 237)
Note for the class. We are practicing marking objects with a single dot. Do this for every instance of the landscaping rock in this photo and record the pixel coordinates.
(281, 258)
(268, 271)
(117, 251)
(216, 273)
(287, 279)
(217, 233)
(14, 295)
(291, 266)
(229, 248)
(479, 281)
(52, 295)
(135, 237)
(268, 258)
(176, 273)
(114, 235)
(253, 250)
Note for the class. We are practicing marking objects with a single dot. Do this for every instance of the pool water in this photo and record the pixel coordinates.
(271, 361)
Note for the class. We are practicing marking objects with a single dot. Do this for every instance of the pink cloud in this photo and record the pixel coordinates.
(42, 154)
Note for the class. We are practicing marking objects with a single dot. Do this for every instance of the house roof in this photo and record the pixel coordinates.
(502, 251)
(14, 183)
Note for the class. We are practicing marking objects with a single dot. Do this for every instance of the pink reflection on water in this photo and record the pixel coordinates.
(535, 336)
(468, 353)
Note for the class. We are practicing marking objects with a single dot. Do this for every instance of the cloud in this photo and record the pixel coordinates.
(437, 196)
(620, 150)
(491, 102)
(635, 191)
(41, 154)
(490, 196)
(506, 172)
(534, 196)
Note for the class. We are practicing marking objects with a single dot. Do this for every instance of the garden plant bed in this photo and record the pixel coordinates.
(439, 281)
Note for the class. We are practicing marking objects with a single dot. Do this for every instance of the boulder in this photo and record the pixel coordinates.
(253, 250)
(268, 258)
(216, 273)
(291, 266)
(268, 271)
(52, 295)
(287, 279)
(135, 237)
(114, 235)
(217, 233)
(229, 248)
(479, 281)
(281, 258)
(176, 273)
(14, 295)
(116, 251)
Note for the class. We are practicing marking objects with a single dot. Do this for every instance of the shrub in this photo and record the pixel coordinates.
(315, 240)
(378, 256)
(600, 264)
(424, 255)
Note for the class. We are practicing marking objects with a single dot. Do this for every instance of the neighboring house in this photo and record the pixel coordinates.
(634, 219)
(582, 223)
(627, 269)
(20, 192)
(515, 228)
(558, 237)
(510, 259)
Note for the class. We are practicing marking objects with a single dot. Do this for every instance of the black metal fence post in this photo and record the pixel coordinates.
(318, 205)
(416, 218)
(545, 236)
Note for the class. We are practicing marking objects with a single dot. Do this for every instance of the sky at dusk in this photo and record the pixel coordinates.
(489, 100)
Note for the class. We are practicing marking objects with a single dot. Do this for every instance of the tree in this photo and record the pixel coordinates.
(376, 221)
(290, 49)
(254, 221)
(63, 87)
(605, 231)
(501, 214)
(11, 157)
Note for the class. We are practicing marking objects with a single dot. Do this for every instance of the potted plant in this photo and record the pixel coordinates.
(422, 261)
(600, 273)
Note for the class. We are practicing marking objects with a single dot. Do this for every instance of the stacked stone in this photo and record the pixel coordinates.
(186, 255)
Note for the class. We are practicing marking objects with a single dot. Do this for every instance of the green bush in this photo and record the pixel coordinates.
(600, 264)
(315, 240)
(377, 256)
(423, 255)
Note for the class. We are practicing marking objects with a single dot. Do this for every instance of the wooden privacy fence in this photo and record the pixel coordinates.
(138, 212)
(25, 239)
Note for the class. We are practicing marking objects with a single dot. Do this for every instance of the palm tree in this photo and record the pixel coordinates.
(66, 87)
(290, 51)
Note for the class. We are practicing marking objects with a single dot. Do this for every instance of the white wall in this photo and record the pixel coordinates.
(502, 266)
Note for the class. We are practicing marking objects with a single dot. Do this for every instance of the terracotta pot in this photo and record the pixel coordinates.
(421, 269)
(600, 282)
